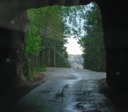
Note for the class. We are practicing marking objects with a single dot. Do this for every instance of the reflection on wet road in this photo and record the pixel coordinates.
(66, 90)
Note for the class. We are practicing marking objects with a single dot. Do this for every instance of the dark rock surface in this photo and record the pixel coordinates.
(13, 22)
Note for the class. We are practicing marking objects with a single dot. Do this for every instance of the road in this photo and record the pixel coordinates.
(66, 90)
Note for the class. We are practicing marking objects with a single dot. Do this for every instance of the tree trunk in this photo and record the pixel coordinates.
(54, 57)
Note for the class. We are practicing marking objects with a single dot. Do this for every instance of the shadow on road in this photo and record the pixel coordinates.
(118, 98)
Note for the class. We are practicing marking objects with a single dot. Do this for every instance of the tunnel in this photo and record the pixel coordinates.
(14, 25)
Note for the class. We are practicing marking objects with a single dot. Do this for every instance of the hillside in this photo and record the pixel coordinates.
(76, 61)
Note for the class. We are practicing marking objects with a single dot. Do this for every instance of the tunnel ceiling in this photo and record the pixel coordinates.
(13, 21)
(11, 9)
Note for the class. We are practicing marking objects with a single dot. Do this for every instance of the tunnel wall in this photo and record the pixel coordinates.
(13, 64)
(115, 25)
(13, 23)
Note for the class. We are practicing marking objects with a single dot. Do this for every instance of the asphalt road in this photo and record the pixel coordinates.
(66, 90)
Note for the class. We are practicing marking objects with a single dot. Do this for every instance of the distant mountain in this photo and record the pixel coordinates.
(76, 61)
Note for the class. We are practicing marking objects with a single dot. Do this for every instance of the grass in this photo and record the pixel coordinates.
(32, 75)
(40, 69)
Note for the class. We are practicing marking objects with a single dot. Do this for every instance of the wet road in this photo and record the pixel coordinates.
(66, 90)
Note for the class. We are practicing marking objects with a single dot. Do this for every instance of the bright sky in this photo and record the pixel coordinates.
(73, 47)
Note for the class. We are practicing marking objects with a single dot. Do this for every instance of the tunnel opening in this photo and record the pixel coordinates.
(115, 38)
(68, 22)
(31, 42)
(90, 37)
(35, 57)
(114, 26)
(14, 39)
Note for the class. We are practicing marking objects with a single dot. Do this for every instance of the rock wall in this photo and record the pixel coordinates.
(13, 64)
(13, 22)
(115, 25)
(13, 26)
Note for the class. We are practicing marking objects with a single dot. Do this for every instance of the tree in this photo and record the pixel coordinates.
(33, 42)
(94, 53)
(47, 24)
(73, 18)
(84, 23)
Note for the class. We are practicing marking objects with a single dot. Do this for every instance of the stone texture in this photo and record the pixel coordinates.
(13, 64)
(13, 23)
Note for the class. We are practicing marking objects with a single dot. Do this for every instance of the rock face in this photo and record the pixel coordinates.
(13, 22)
(13, 64)
(115, 22)
(76, 61)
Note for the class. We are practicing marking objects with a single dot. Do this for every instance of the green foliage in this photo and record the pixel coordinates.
(45, 39)
(94, 52)
(48, 20)
(31, 76)
(40, 69)
(50, 25)
(87, 18)
(33, 42)
(55, 54)
(73, 18)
